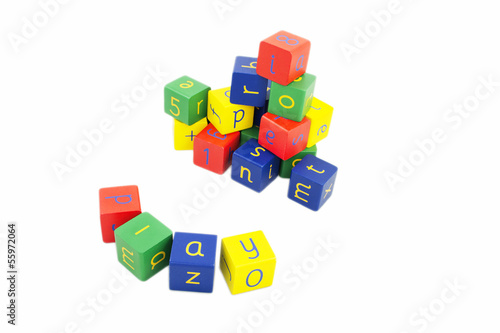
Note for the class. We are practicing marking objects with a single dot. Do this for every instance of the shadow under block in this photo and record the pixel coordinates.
(254, 166)
(283, 57)
(249, 133)
(320, 115)
(213, 151)
(247, 88)
(247, 262)
(143, 245)
(186, 100)
(192, 262)
(311, 182)
(226, 116)
(117, 205)
(184, 135)
(286, 166)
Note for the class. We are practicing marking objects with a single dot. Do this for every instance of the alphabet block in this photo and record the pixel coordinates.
(283, 57)
(184, 134)
(294, 100)
(117, 206)
(247, 88)
(186, 100)
(247, 262)
(192, 263)
(249, 133)
(320, 115)
(311, 182)
(143, 245)
(254, 166)
(283, 137)
(225, 116)
(213, 151)
(259, 112)
(286, 166)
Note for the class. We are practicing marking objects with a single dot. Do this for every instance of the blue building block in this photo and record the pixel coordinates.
(259, 112)
(254, 166)
(247, 87)
(311, 182)
(192, 262)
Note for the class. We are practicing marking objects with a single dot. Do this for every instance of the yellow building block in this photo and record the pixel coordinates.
(227, 117)
(247, 262)
(320, 115)
(184, 134)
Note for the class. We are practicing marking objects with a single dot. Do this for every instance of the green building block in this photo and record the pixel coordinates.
(294, 100)
(143, 245)
(287, 165)
(186, 100)
(250, 133)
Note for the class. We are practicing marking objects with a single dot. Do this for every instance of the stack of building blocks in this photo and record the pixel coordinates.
(145, 246)
(264, 124)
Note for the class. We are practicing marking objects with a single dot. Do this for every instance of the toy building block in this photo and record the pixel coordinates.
(286, 166)
(248, 88)
(213, 151)
(186, 100)
(249, 133)
(294, 100)
(184, 134)
(225, 116)
(311, 182)
(259, 112)
(283, 57)
(117, 206)
(320, 115)
(283, 137)
(247, 262)
(254, 166)
(143, 245)
(192, 262)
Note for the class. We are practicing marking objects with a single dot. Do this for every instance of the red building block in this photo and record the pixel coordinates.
(117, 206)
(283, 137)
(283, 57)
(213, 151)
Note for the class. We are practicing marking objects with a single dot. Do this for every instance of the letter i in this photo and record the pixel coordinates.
(272, 64)
(270, 170)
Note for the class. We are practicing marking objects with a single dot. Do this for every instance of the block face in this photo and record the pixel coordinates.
(283, 137)
(286, 166)
(225, 116)
(117, 205)
(294, 100)
(247, 262)
(186, 100)
(320, 115)
(213, 151)
(184, 134)
(254, 166)
(247, 87)
(283, 57)
(311, 182)
(192, 262)
(249, 133)
(143, 245)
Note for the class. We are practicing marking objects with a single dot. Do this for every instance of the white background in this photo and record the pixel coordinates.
(397, 247)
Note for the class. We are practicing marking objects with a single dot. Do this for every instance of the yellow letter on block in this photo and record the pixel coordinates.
(320, 115)
(184, 134)
(225, 116)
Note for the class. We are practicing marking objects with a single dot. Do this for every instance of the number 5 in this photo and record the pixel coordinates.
(176, 106)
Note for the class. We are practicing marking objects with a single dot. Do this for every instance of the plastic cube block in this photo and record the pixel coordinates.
(283, 57)
(283, 137)
(143, 245)
(186, 100)
(287, 165)
(192, 262)
(225, 116)
(250, 133)
(184, 134)
(254, 166)
(213, 151)
(320, 115)
(117, 206)
(247, 88)
(247, 262)
(294, 100)
(311, 182)
(259, 112)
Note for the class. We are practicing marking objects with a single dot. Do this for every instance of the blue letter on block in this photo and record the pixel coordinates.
(311, 182)
(192, 262)
(247, 87)
(254, 166)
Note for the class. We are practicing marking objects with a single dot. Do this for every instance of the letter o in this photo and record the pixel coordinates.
(260, 279)
(285, 106)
